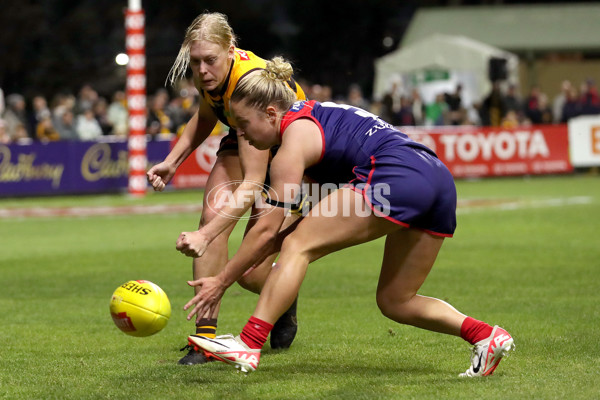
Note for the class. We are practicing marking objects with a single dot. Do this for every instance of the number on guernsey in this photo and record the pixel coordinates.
(357, 111)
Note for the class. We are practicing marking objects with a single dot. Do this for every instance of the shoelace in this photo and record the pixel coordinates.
(474, 353)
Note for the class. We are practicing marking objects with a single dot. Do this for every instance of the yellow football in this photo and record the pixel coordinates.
(140, 308)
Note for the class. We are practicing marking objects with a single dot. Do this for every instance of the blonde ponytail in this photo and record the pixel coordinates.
(278, 70)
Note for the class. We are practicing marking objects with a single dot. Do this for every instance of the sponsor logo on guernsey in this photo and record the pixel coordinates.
(243, 54)
(299, 105)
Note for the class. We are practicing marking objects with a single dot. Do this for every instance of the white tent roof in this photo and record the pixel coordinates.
(453, 53)
(521, 28)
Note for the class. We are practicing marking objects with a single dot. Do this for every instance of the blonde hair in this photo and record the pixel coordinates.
(212, 27)
(268, 86)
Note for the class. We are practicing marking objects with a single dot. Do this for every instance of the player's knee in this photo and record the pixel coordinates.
(296, 245)
(394, 306)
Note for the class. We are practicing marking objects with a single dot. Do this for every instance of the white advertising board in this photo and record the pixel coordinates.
(584, 141)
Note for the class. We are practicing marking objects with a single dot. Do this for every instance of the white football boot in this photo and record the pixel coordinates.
(230, 350)
(487, 353)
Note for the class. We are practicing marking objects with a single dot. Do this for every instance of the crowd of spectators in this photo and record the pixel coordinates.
(87, 115)
(502, 107)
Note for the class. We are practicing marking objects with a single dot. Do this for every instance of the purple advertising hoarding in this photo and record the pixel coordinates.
(69, 167)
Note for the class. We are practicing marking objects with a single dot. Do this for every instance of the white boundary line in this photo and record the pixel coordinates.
(471, 206)
(466, 206)
(44, 212)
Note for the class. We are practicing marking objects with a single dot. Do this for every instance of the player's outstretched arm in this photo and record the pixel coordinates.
(195, 132)
(260, 236)
(254, 168)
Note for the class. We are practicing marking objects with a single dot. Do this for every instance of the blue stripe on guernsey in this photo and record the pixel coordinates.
(361, 148)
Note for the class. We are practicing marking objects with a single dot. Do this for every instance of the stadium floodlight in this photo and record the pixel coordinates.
(122, 59)
(388, 42)
(135, 5)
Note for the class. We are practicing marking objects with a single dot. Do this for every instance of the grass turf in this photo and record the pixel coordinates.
(532, 267)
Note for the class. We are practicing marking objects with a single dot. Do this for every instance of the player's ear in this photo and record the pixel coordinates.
(271, 113)
(231, 52)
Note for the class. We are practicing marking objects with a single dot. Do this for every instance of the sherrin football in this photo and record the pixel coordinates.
(140, 308)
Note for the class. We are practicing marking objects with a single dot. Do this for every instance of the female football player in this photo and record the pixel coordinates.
(409, 191)
(209, 50)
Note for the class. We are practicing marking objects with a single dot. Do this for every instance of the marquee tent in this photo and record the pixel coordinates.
(438, 63)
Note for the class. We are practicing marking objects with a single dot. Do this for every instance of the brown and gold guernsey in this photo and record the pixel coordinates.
(244, 63)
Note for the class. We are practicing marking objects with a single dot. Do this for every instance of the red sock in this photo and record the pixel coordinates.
(473, 331)
(255, 333)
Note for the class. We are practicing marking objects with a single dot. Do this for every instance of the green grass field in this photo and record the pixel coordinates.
(526, 255)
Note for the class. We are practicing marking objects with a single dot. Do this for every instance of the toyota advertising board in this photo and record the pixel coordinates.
(487, 151)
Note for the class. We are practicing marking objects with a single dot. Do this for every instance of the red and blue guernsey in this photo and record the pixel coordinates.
(401, 180)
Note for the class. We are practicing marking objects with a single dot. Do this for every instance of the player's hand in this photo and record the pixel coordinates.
(192, 244)
(159, 175)
(207, 299)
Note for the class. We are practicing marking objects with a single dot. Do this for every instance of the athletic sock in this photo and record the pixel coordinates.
(474, 331)
(207, 327)
(255, 333)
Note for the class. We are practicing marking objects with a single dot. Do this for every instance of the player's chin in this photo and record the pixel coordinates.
(259, 146)
(209, 86)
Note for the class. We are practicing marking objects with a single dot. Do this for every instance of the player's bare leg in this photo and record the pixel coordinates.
(226, 169)
(285, 329)
(313, 239)
(408, 257)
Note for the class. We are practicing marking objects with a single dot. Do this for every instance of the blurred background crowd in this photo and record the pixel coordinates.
(59, 79)
(504, 106)
(86, 115)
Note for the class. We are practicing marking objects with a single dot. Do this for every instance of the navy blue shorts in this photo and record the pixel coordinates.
(410, 187)
(229, 142)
